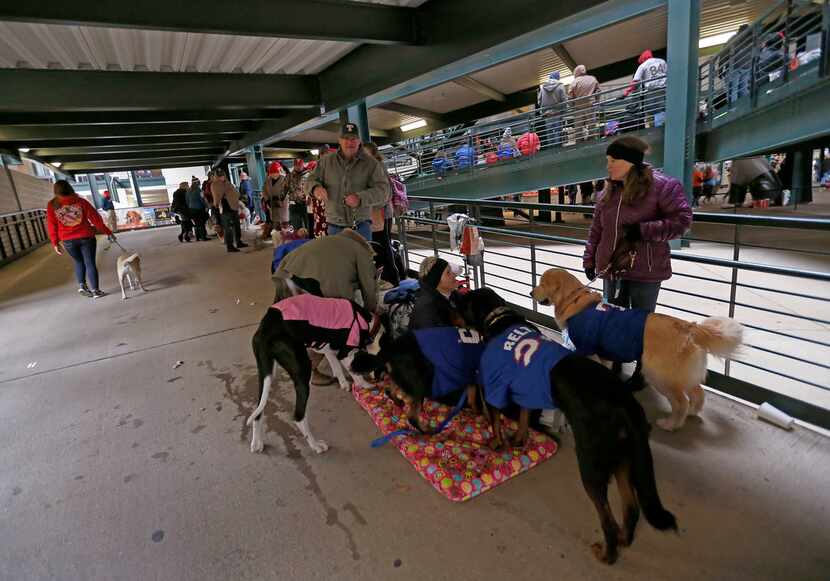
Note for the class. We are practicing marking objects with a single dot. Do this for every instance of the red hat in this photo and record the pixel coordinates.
(311, 165)
(274, 167)
(298, 163)
(106, 194)
(645, 56)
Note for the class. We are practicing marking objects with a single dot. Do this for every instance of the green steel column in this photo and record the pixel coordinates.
(359, 115)
(256, 166)
(802, 191)
(136, 189)
(93, 189)
(681, 90)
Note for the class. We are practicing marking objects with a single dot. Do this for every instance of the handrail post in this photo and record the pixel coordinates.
(753, 66)
(533, 259)
(710, 98)
(733, 286)
(824, 65)
(432, 226)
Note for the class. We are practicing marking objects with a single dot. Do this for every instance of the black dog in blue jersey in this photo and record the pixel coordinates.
(522, 367)
(437, 363)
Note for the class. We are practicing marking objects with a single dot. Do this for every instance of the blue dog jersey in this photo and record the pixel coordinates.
(454, 353)
(516, 366)
(609, 331)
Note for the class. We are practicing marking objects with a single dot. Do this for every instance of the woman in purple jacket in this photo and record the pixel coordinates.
(645, 209)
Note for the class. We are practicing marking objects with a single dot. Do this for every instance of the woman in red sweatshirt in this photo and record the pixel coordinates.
(73, 221)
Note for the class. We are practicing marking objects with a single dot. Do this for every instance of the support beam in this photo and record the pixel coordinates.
(358, 22)
(564, 55)
(136, 189)
(101, 150)
(63, 90)
(115, 117)
(93, 189)
(480, 88)
(97, 143)
(681, 90)
(359, 115)
(34, 133)
(412, 111)
(209, 152)
(137, 163)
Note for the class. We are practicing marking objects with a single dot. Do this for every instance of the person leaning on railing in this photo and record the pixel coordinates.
(639, 209)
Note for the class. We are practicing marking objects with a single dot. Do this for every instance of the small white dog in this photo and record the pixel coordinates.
(129, 271)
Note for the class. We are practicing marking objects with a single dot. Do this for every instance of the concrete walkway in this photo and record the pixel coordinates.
(114, 465)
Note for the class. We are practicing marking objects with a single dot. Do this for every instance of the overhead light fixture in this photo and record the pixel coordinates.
(414, 125)
(57, 163)
(716, 40)
(23, 149)
(315, 152)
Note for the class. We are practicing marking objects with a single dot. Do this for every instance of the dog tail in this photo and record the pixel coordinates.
(719, 336)
(642, 469)
(263, 400)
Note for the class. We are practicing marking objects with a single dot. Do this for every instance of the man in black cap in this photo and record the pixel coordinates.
(351, 182)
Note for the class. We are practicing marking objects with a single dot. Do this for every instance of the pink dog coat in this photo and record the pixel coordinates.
(330, 316)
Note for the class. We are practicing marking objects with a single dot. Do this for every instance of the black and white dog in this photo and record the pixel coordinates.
(520, 366)
(335, 328)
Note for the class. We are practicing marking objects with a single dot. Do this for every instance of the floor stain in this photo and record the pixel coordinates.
(163, 456)
(123, 420)
(198, 429)
(16, 490)
(129, 478)
(137, 423)
(120, 344)
(158, 536)
(79, 477)
(213, 311)
(244, 397)
(218, 406)
(174, 379)
(135, 445)
(349, 507)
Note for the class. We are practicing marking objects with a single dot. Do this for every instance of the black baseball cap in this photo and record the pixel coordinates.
(349, 130)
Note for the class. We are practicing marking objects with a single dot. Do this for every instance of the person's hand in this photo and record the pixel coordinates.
(591, 272)
(58, 249)
(631, 232)
(320, 193)
(352, 200)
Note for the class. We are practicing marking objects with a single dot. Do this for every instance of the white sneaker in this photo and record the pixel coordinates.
(786, 198)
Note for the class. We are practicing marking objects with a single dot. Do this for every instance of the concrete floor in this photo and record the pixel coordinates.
(114, 465)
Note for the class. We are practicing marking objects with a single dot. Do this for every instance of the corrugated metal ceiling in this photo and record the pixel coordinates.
(41, 46)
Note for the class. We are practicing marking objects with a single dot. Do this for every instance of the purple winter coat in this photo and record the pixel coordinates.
(663, 214)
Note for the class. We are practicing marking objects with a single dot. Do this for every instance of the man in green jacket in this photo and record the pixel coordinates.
(350, 182)
(340, 265)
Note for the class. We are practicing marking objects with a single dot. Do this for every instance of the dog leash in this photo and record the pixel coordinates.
(378, 442)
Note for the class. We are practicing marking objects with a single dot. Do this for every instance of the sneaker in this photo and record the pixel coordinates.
(727, 206)
(242, 245)
(181, 238)
(84, 291)
(97, 294)
(749, 204)
(232, 249)
(787, 195)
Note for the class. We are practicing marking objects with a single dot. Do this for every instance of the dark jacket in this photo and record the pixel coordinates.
(194, 198)
(179, 205)
(432, 309)
(663, 214)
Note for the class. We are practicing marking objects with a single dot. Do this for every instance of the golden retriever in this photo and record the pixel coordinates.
(674, 351)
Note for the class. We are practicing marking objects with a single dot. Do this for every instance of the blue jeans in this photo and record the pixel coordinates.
(363, 228)
(739, 84)
(82, 251)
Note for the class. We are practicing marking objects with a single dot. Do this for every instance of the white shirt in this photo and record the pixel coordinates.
(653, 68)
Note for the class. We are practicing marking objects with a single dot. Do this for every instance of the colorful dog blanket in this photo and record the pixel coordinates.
(458, 462)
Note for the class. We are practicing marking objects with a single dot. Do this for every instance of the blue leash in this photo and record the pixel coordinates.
(378, 442)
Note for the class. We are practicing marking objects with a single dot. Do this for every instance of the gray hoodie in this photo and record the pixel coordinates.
(551, 93)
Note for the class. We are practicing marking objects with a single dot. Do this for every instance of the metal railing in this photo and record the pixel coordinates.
(774, 290)
(468, 150)
(788, 42)
(20, 233)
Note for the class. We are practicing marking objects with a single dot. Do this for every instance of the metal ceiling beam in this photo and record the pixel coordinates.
(480, 88)
(144, 148)
(120, 141)
(315, 19)
(138, 163)
(411, 111)
(208, 152)
(113, 117)
(34, 133)
(459, 39)
(29, 90)
(563, 54)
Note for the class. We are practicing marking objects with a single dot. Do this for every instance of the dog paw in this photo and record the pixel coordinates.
(345, 386)
(257, 446)
(319, 446)
(666, 424)
(602, 554)
(624, 538)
